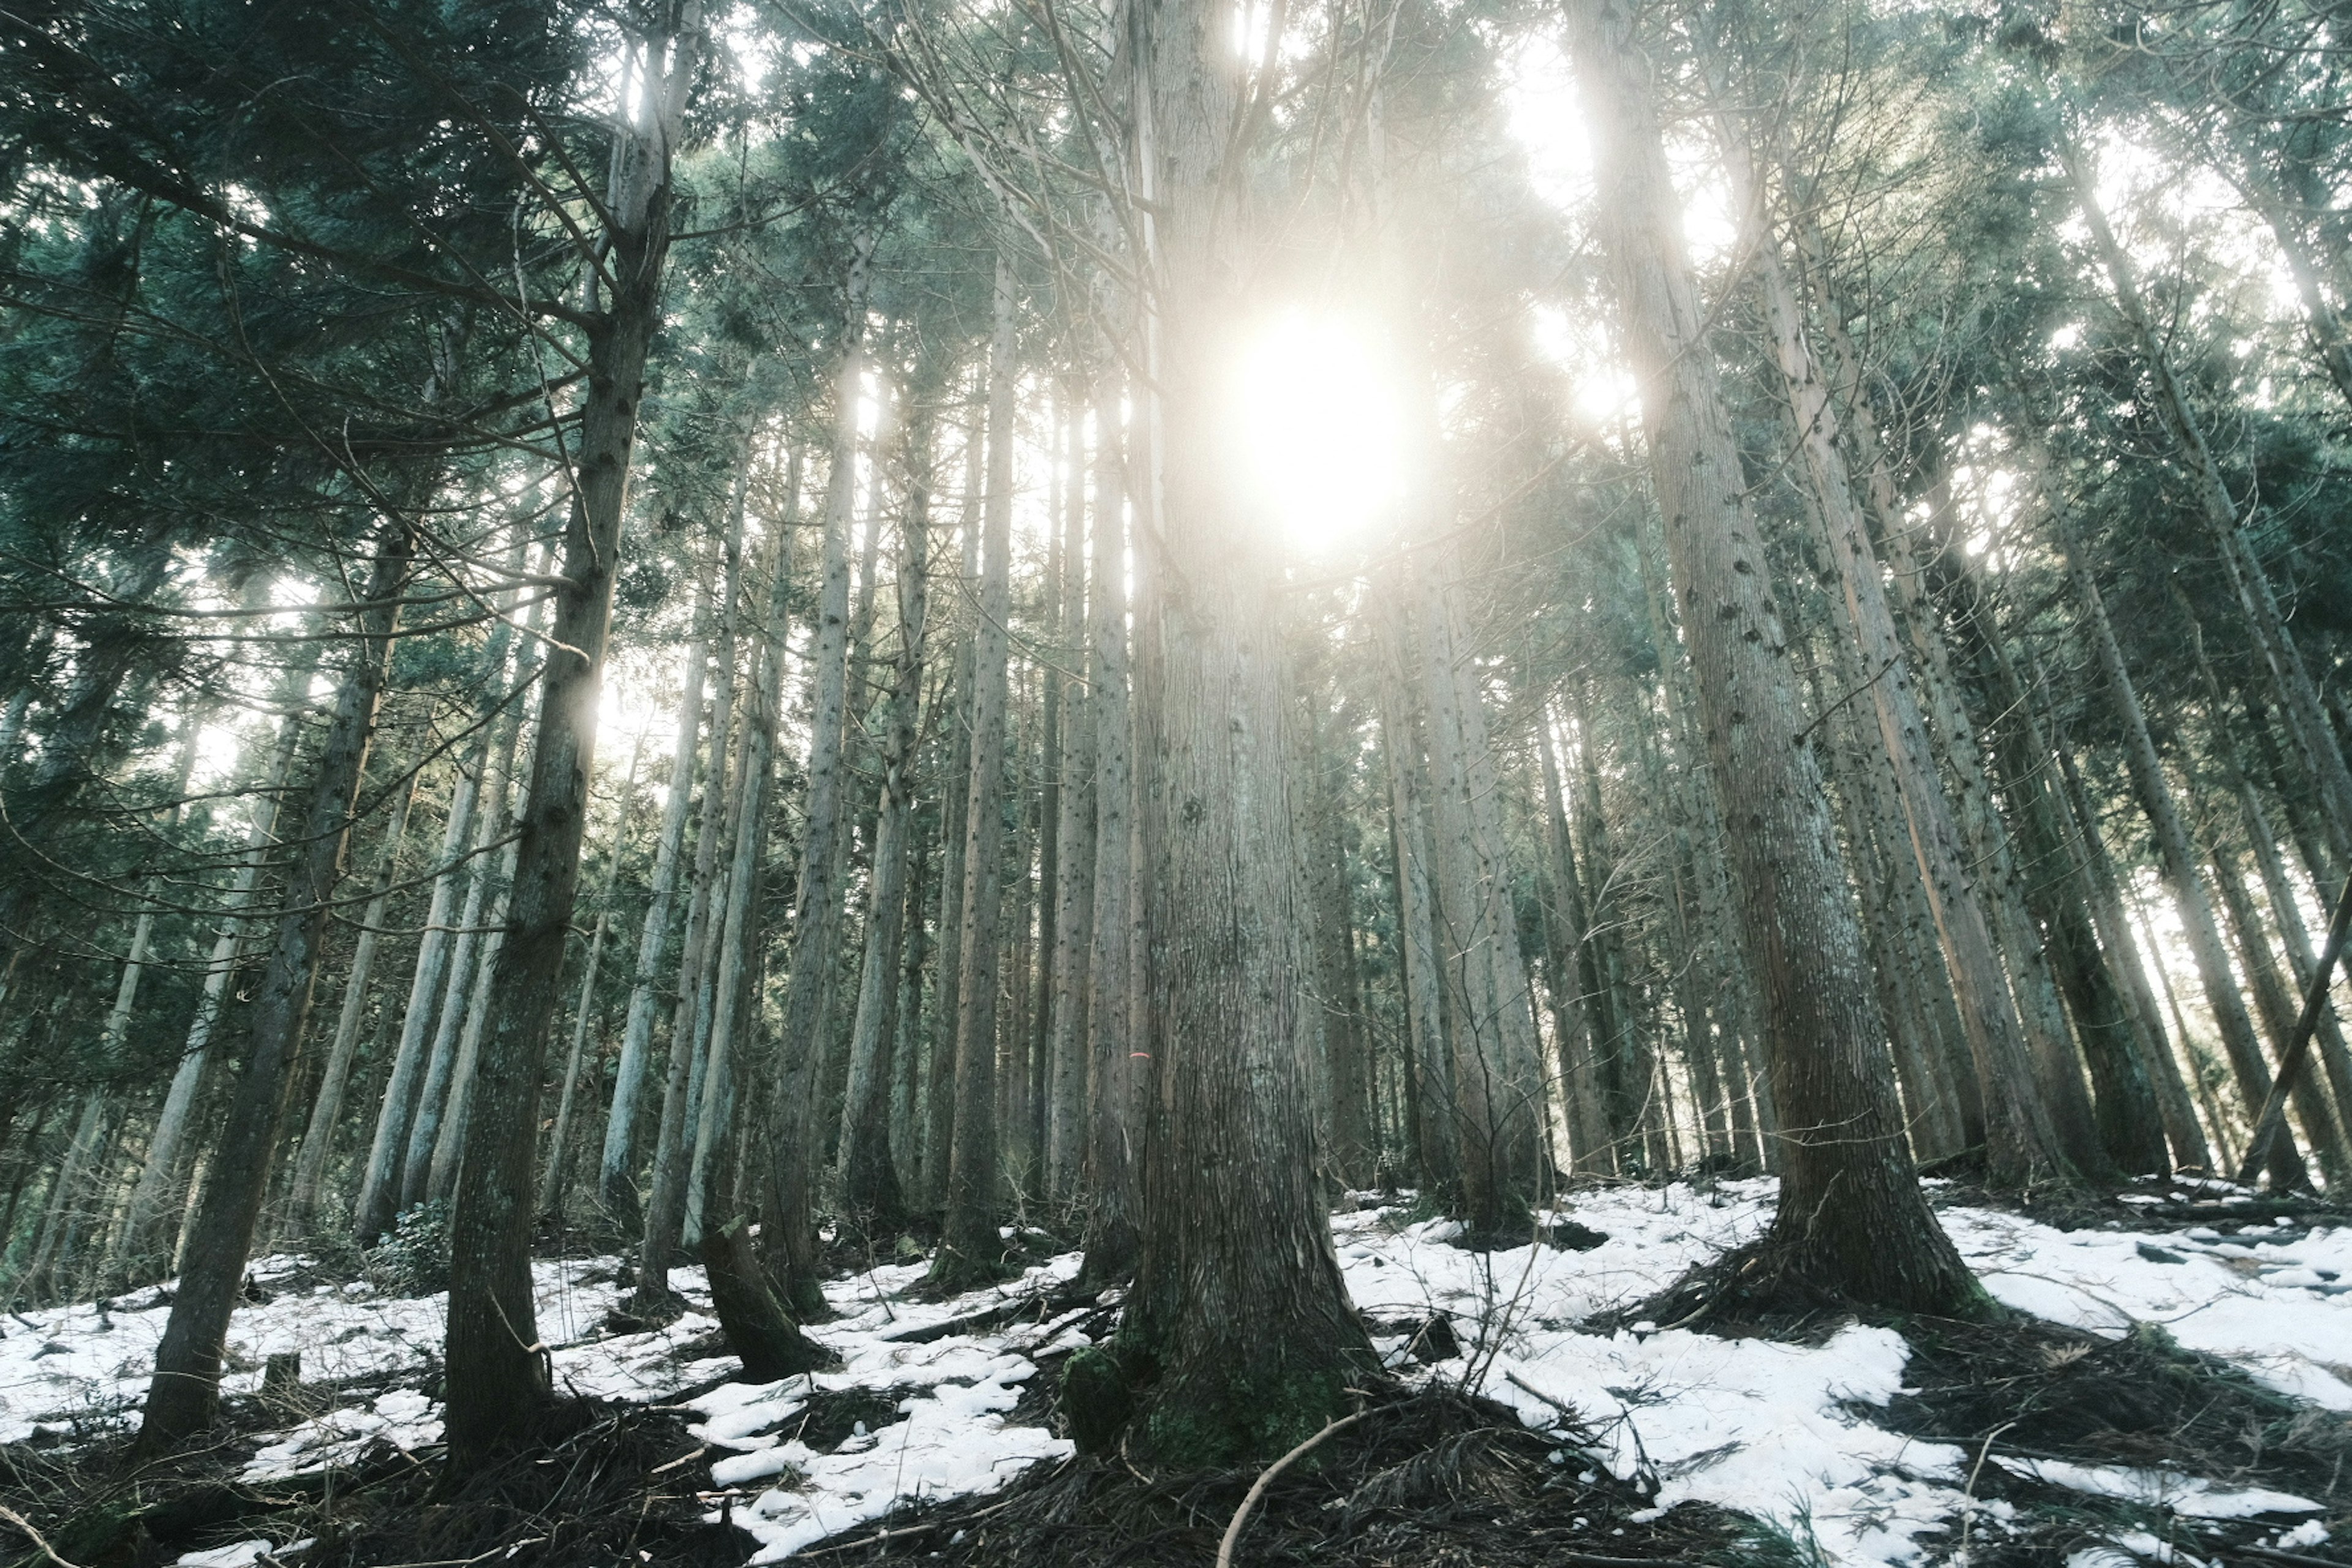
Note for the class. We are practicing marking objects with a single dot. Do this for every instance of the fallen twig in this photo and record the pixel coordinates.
(48, 1551)
(681, 1459)
(1257, 1491)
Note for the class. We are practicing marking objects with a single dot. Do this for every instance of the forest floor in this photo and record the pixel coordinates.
(2182, 1393)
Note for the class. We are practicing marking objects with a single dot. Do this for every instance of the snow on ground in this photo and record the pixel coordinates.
(1780, 1432)
(1773, 1430)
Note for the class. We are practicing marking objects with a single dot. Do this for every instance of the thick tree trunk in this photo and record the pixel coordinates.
(1238, 1301)
(186, 1388)
(969, 1246)
(497, 1376)
(1851, 1216)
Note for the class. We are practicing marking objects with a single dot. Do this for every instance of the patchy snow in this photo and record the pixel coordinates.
(1781, 1432)
(2168, 1491)
(83, 1369)
(954, 1439)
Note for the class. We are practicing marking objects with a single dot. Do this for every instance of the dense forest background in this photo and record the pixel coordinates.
(746, 630)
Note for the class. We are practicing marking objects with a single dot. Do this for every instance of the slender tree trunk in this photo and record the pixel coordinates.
(2087, 845)
(939, 1134)
(185, 1391)
(2038, 1116)
(497, 1377)
(379, 1195)
(1109, 1035)
(2180, 862)
(1588, 1123)
(2334, 1058)
(674, 1143)
(326, 1108)
(617, 1179)
(1425, 993)
(969, 1246)
(559, 1144)
(789, 1242)
(872, 1192)
(457, 1033)
(1073, 848)
(144, 1241)
(2298, 698)
(1851, 1216)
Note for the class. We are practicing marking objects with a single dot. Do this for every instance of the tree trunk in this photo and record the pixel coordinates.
(1238, 1301)
(1851, 1216)
(145, 1243)
(497, 1378)
(2298, 700)
(939, 1131)
(326, 1108)
(559, 1143)
(969, 1246)
(616, 1177)
(1071, 850)
(2038, 1127)
(2180, 861)
(788, 1242)
(1428, 1046)
(379, 1195)
(1588, 1123)
(872, 1192)
(676, 1141)
(1110, 1037)
(185, 1391)
(458, 1033)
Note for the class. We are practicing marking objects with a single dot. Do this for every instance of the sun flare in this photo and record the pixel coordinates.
(1322, 429)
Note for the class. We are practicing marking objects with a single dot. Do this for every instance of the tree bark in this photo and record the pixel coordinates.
(1851, 1217)
(185, 1391)
(617, 1179)
(326, 1108)
(2180, 857)
(1238, 1301)
(498, 1377)
(1113, 1174)
(872, 1192)
(969, 1246)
